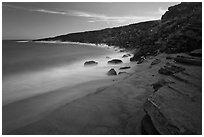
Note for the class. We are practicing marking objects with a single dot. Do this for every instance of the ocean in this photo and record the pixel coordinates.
(33, 68)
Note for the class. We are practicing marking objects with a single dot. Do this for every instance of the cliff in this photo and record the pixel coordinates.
(174, 80)
(179, 30)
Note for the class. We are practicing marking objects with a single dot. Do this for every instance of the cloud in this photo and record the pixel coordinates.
(50, 11)
(104, 18)
(34, 10)
(92, 17)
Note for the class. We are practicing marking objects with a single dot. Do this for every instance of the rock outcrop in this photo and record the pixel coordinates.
(156, 61)
(170, 70)
(88, 63)
(197, 53)
(126, 55)
(189, 60)
(112, 72)
(115, 61)
(124, 68)
(175, 106)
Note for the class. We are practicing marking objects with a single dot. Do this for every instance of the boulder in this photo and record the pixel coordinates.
(112, 72)
(141, 60)
(126, 55)
(90, 63)
(156, 61)
(122, 50)
(115, 61)
(124, 68)
(197, 53)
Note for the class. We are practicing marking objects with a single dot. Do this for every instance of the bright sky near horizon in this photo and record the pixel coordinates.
(31, 20)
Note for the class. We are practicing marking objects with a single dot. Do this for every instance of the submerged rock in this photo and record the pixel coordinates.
(90, 63)
(112, 72)
(115, 61)
(124, 68)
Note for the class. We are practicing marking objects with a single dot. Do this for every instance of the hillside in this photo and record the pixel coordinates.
(179, 30)
(125, 36)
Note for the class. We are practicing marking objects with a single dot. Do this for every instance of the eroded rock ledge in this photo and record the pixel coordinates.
(175, 107)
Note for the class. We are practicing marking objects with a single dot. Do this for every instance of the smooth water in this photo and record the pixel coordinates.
(31, 68)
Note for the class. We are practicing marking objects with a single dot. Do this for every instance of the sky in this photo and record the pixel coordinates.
(33, 20)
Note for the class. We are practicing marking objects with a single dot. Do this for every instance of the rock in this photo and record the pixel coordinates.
(141, 60)
(137, 55)
(188, 60)
(112, 72)
(160, 83)
(168, 57)
(90, 63)
(170, 70)
(124, 68)
(197, 53)
(107, 57)
(164, 71)
(147, 126)
(115, 61)
(122, 50)
(172, 112)
(126, 55)
(156, 61)
(122, 72)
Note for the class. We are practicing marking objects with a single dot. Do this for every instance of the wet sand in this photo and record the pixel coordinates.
(113, 106)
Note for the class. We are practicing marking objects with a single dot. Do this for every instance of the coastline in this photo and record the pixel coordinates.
(101, 45)
(32, 108)
(118, 107)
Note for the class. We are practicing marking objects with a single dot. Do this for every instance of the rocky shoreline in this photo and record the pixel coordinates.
(142, 102)
(163, 95)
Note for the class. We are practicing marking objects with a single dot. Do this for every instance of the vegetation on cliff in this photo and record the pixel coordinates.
(179, 30)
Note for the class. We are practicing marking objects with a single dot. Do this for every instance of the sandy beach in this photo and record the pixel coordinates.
(100, 68)
(114, 105)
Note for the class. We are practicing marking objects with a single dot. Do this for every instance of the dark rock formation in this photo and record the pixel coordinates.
(124, 68)
(169, 57)
(197, 53)
(147, 126)
(156, 61)
(88, 63)
(175, 109)
(160, 83)
(170, 70)
(141, 60)
(112, 72)
(180, 30)
(189, 60)
(115, 61)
